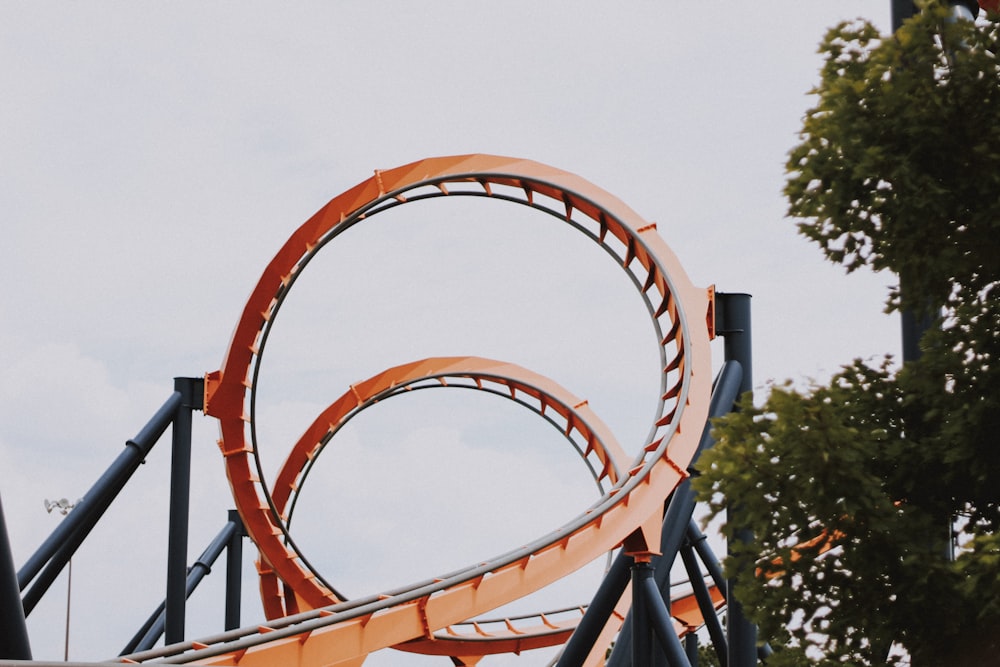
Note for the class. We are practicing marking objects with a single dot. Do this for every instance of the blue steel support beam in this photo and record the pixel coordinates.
(192, 393)
(733, 323)
(154, 626)
(14, 643)
(234, 571)
(640, 633)
(60, 546)
(657, 617)
(613, 585)
(682, 502)
(691, 649)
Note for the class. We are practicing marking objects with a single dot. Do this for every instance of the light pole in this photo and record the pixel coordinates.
(64, 506)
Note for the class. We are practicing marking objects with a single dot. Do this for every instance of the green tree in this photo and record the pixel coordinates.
(849, 487)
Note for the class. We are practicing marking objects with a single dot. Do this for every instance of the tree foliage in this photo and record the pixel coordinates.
(849, 487)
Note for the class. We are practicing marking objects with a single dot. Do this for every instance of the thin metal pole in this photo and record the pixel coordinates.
(69, 592)
(699, 542)
(14, 643)
(191, 390)
(734, 324)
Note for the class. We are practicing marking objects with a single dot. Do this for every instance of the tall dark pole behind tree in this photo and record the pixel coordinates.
(846, 484)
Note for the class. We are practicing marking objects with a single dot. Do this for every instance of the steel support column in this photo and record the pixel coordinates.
(641, 632)
(733, 323)
(153, 628)
(14, 643)
(681, 505)
(691, 649)
(705, 603)
(192, 398)
(234, 571)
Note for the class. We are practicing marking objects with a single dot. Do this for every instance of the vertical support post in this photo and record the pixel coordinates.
(234, 572)
(901, 10)
(911, 328)
(734, 324)
(192, 398)
(914, 325)
(691, 648)
(642, 632)
(14, 637)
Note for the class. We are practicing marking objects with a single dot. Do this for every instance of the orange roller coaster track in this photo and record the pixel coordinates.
(627, 514)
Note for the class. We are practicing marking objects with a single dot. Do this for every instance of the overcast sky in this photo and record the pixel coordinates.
(155, 157)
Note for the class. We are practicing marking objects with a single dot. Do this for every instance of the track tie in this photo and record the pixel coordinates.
(263, 629)
(547, 623)
(673, 464)
(197, 646)
(672, 392)
(486, 186)
(479, 630)
(442, 187)
(665, 305)
(674, 364)
(650, 279)
(510, 626)
(629, 251)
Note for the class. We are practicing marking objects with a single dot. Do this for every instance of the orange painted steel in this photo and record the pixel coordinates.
(573, 416)
(505, 635)
(628, 514)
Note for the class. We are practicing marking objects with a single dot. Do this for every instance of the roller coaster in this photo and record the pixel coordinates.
(641, 523)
